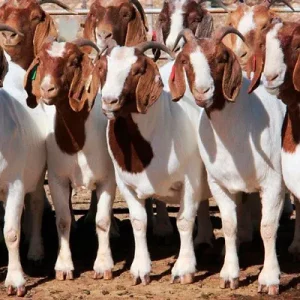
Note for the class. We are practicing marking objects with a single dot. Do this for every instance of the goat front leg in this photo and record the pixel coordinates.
(185, 266)
(226, 202)
(104, 263)
(60, 190)
(14, 281)
(272, 204)
(141, 265)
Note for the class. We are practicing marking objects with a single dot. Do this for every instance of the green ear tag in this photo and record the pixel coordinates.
(33, 72)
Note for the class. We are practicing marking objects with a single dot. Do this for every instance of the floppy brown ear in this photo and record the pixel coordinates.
(31, 83)
(205, 27)
(46, 28)
(148, 88)
(177, 82)
(257, 67)
(232, 78)
(136, 31)
(84, 86)
(89, 32)
(296, 75)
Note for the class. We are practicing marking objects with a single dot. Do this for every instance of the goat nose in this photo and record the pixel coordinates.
(104, 34)
(271, 78)
(243, 54)
(7, 35)
(110, 101)
(48, 87)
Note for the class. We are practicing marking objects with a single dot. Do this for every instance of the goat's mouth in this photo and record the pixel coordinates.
(111, 114)
(48, 101)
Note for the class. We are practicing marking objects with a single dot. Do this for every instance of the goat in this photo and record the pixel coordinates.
(76, 145)
(22, 171)
(152, 143)
(244, 134)
(121, 20)
(177, 15)
(280, 56)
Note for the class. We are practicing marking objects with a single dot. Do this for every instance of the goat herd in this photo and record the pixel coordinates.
(221, 119)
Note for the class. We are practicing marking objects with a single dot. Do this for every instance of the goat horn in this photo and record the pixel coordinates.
(140, 8)
(86, 42)
(187, 35)
(227, 30)
(4, 27)
(272, 2)
(144, 46)
(60, 4)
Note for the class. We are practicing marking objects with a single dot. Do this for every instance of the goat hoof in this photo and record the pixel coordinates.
(175, 279)
(97, 275)
(273, 290)
(223, 284)
(108, 275)
(234, 284)
(21, 291)
(262, 289)
(62, 275)
(145, 279)
(11, 290)
(187, 279)
(136, 280)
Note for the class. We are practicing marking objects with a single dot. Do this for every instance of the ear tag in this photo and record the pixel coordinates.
(33, 73)
(172, 76)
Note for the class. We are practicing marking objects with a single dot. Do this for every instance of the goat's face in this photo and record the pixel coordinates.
(61, 75)
(252, 22)
(130, 82)
(27, 17)
(211, 69)
(120, 20)
(282, 58)
(177, 15)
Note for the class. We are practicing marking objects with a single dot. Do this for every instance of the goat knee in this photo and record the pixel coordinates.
(103, 224)
(11, 236)
(267, 231)
(64, 224)
(138, 225)
(184, 224)
(229, 228)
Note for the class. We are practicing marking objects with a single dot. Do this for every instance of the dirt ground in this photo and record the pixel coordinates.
(41, 283)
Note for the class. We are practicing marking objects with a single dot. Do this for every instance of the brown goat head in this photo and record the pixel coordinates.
(61, 75)
(130, 80)
(177, 15)
(212, 70)
(121, 20)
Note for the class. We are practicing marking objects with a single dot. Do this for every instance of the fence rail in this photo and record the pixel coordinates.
(155, 11)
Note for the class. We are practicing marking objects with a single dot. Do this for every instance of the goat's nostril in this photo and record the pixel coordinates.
(114, 101)
(108, 36)
(244, 54)
(274, 77)
(205, 91)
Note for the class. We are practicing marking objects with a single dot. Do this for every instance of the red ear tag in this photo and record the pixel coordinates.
(154, 38)
(172, 76)
(254, 63)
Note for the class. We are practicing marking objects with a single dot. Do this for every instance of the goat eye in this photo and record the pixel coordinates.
(197, 20)
(184, 61)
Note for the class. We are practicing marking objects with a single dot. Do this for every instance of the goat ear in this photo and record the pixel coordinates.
(46, 28)
(31, 85)
(177, 82)
(148, 88)
(205, 27)
(296, 75)
(232, 78)
(89, 32)
(257, 65)
(84, 86)
(136, 31)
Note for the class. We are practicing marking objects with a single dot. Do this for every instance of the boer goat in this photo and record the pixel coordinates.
(121, 20)
(22, 171)
(244, 134)
(153, 146)
(61, 76)
(279, 49)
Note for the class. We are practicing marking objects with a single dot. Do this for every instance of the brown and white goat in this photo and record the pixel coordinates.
(152, 143)
(279, 49)
(76, 145)
(121, 20)
(240, 134)
(35, 26)
(177, 15)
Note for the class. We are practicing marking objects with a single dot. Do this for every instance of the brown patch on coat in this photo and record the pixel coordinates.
(71, 75)
(195, 17)
(120, 18)
(291, 131)
(131, 151)
(29, 18)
